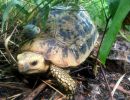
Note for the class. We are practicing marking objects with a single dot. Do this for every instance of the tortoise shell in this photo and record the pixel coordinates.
(69, 37)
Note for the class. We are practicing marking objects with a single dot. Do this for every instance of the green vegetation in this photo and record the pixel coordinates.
(108, 15)
(114, 28)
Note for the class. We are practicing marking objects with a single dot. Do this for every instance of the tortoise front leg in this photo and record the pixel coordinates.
(64, 79)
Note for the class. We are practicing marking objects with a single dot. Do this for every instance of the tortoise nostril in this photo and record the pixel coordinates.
(20, 65)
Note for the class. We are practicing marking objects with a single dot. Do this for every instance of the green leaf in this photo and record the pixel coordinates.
(6, 13)
(125, 35)
(45, 17)
(110, 36)
(8, 9)
(22, 9)
(113, 5)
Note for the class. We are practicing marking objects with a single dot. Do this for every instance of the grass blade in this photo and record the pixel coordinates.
(10, 6)
(110, 36)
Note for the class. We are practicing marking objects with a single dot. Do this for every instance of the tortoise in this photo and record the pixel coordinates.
(68, 40)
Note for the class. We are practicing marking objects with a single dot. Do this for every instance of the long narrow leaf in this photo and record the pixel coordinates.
(8, 9)
(6, 13)
(110, 36)
(22, 9)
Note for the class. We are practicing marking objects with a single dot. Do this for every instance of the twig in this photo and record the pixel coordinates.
(14, 43)
(12, 85)
(104, 9)
(117, 84)
(6, 45)
(14, 96)
(35, 92)
(54, 88)
(121, 88)
(4, 56)
(107, 21)
(107, 83)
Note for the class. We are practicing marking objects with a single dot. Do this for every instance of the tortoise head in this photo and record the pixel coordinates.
(31, 63)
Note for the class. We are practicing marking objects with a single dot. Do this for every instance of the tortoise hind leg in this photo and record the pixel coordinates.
(64, 79)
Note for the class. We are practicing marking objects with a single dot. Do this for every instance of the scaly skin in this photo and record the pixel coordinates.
(64, 78)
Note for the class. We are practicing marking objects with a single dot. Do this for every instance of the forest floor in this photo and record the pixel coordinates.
(111, 82)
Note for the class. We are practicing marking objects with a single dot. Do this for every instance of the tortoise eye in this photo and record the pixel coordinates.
(34, 63)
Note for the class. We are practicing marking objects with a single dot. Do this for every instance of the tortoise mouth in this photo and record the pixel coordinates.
(32, 71)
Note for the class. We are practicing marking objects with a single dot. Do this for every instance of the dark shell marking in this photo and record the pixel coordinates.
(73, 30)
(69, 38)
